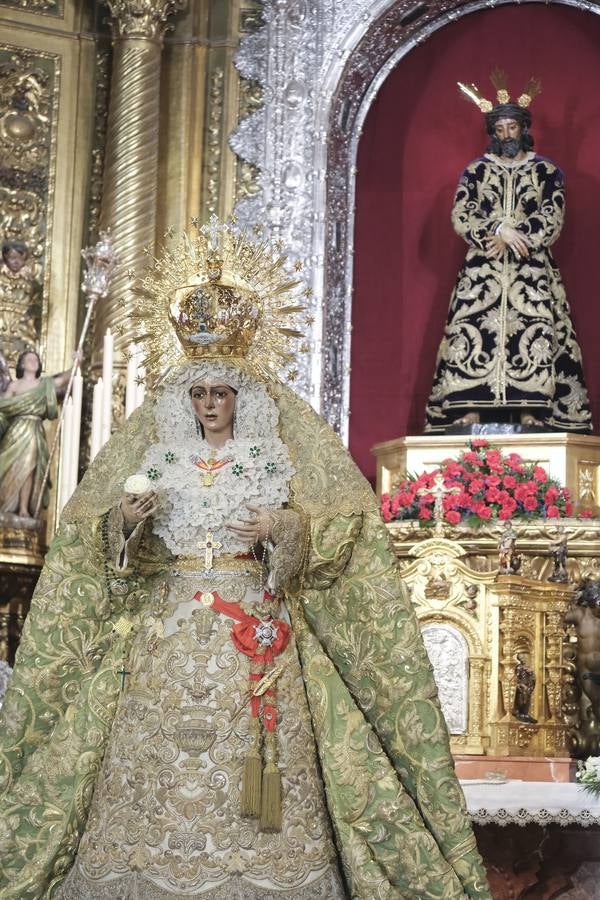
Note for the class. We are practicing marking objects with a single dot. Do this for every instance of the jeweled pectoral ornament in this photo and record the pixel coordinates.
(210, 467)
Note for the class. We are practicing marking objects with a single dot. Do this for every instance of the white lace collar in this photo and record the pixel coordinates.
(254, 467)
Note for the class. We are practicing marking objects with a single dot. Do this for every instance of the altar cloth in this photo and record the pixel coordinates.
(530, 802)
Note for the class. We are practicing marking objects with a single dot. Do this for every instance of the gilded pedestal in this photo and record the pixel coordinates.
(571, 458)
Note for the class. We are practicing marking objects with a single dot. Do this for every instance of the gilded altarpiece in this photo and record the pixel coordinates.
(47, 83)
(479, 626)
(29, 93)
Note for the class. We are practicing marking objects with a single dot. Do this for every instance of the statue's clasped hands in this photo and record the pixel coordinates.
(256, 528)
(507, 236)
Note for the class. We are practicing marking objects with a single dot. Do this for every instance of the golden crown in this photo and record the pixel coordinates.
(500, 82)
(219, 293)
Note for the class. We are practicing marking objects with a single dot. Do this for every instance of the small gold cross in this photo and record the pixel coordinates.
(209, 546)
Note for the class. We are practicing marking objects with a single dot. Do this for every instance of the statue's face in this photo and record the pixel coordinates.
(14, 259)
(214, 405)
(30, 362)
(509, 135)
(507, 129)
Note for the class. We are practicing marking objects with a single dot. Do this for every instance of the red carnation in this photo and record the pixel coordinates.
(476, 486)
(510, 481)
(453, 517)
(586, 513)
(540, 474)
(472, 458)
(479, 442)
(425, 513)
(530, 502)
(553, 512)
(505, 513)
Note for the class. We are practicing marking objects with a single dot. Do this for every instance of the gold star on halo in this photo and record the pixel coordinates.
(298, 265)
(131, 274)
(292, 375)
(139, 380)
(170, 232)
(304, 348)
(310, 320)
(194, 221)
(307, 292)
(120, 330)
(278, 244)
(147, 249)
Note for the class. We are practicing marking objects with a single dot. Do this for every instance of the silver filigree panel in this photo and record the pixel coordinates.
(449, 655)
(320, 64)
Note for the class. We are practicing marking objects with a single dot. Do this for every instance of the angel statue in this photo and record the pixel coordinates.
(24, 405)
(222, 690)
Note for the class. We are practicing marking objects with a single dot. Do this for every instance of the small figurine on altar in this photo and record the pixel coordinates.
(524, 689)
(558, 549)
(509, 561)
(585, 616)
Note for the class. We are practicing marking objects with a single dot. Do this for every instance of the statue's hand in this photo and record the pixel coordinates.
(495, 247)
(515, 240)
(255, 529)
(137, 507)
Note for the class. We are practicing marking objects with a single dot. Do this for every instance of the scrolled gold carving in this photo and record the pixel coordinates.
(99, 146)
(587, 482)
(142, 18)
(29, 90)
(213, 149)
(49, 7)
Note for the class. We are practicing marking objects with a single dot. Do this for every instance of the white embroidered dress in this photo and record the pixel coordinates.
(165, 819)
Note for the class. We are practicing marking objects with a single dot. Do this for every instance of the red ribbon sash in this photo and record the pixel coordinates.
(259, 639)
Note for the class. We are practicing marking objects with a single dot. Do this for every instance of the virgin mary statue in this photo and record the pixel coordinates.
(221, 689)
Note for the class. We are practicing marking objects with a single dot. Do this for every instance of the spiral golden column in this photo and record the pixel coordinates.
(131, 164)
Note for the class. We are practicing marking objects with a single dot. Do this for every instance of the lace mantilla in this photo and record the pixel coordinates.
(253, 468)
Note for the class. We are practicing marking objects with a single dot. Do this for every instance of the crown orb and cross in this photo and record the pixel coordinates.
(213, 231)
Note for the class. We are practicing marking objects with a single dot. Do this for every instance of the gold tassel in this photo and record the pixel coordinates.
(270, 816)
(252, 776)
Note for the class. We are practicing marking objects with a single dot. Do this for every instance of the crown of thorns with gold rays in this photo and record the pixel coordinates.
(218, 293)
(500, 82)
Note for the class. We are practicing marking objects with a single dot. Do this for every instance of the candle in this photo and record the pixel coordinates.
(75, 429)
(96, 441)
(107, 373)
(65, 453)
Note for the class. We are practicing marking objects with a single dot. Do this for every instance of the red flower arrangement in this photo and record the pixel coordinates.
(482, 484)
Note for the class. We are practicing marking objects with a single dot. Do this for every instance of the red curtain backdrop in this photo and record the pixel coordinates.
(418, 137)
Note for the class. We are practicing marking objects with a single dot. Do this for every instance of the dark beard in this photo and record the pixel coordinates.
(509, 147)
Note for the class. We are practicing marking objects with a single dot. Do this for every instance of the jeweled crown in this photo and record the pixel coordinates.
(219, 293)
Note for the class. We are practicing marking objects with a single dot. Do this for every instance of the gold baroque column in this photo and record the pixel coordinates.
(131, 162)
